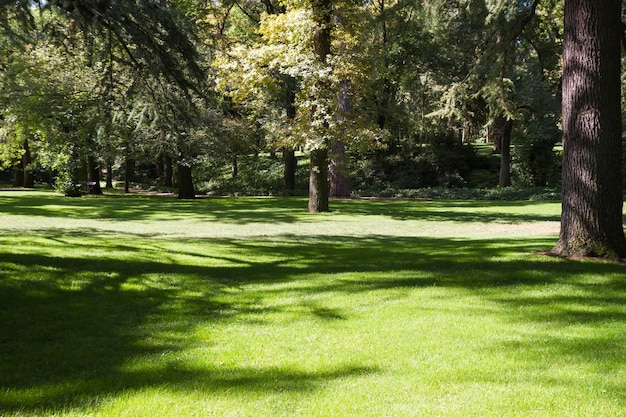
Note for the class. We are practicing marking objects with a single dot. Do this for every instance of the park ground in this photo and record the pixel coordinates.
(145, 305)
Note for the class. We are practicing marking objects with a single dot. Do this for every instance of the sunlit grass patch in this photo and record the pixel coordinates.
(251, 307)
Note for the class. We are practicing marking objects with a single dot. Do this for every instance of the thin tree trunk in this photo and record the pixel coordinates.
(29, 179)
(591, 219)
(318, 181)
(109, 181)
(234, 169)
(129, 173)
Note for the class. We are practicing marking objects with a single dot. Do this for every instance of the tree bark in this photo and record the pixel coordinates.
(591, 219)
(502, 135)
(185, 182)
(318, 174)
(109, 181)
(318, 181)
(339, 179)
(169, 177)
(93, 176)
(234, 168)
(18, 173)
(129, 173)
(289, 172)
(29, 179)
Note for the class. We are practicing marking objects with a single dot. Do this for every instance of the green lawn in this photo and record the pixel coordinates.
(149, 306)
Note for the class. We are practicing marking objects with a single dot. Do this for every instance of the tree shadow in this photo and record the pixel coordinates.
(247, 210)
(71, 325)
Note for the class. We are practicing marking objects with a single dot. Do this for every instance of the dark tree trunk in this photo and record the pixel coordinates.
(169, 176)
(109, 182)
(495, 140)
(591, 219)
(93, 176)
(159, 167)
(289, 155)
(129, 173)
(502, 131)
(234, 170)
(339, 180)
(18, 174)
(318, 182)
(289, 173)
(29, 179)
(185, 182)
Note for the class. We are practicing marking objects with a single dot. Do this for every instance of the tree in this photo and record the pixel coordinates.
(591, 219)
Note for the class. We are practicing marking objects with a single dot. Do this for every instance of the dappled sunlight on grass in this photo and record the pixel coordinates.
(415, 314)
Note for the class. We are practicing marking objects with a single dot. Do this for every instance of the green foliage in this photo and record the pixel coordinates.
(442, 161)
(256, 175)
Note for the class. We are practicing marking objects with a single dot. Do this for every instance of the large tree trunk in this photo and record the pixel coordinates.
(289, 172)
(591, 219)
(185, 182)
(93, 176)
(339, 180)
(318, 181)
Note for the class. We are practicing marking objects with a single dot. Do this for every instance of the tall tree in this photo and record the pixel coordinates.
(591, 219)
(319, 187)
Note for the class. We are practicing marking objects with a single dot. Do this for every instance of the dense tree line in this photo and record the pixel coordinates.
(394, 91)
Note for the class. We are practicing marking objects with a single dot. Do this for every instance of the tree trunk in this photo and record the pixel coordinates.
(234, 169)
(74, 174)
(93, 176)
(591, 219)
(169, 177)
(318, 174)
(129, 173)
(185, 182)
(318, 181)
(502, 135)
(339, 180)
(29, 179)
(18, 173)
(109, 182)
(289, 172)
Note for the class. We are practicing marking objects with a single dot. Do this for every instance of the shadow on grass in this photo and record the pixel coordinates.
(71, 327)
(247, 210)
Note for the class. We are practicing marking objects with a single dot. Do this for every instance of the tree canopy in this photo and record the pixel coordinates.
(389, 92)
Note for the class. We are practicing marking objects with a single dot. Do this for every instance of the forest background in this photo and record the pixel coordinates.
(404, 98)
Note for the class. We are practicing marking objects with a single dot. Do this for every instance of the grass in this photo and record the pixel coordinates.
(138, 305)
